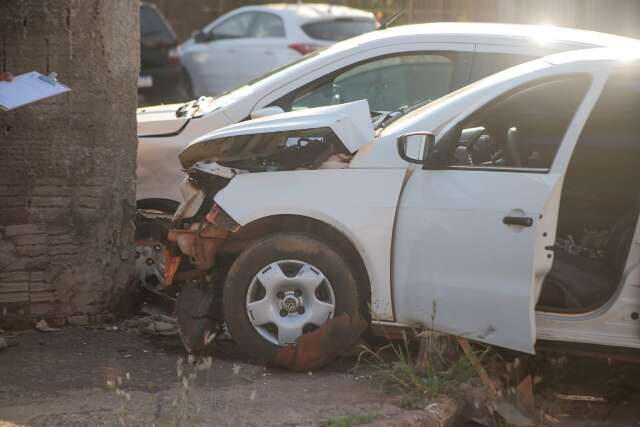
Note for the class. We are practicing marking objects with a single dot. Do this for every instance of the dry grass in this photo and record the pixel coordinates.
(394, 368)
(183, 406)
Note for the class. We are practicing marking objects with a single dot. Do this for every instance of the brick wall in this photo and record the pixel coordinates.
(67, 164)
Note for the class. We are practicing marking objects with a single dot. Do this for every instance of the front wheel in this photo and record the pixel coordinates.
(283, 287)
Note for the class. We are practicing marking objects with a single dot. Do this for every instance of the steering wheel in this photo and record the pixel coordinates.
(512, 148)
(472, 151)
(479, 156)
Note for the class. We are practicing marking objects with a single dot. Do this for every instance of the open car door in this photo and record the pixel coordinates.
(475, 233)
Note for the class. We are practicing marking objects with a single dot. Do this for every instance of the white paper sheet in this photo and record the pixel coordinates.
(28, 88)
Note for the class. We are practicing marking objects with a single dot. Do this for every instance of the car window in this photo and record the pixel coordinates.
(338, 29)
(235, 27)
(387, 83)
(267, 25)
(520, 130)
(153, 28)
(486, 64)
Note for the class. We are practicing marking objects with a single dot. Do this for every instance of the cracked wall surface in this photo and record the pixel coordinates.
(67, 163)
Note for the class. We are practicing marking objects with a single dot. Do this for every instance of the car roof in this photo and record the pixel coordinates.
(499, 33)
(596, 55)
(576, 61)
(305, 12)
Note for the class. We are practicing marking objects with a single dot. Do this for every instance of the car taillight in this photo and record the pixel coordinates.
(173, 56)
(303, 48)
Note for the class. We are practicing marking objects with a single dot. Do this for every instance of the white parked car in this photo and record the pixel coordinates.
(249, 41)
(505, 212)
(392, 68)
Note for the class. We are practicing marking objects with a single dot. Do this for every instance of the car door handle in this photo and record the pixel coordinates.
(268, 52)
(522, 221)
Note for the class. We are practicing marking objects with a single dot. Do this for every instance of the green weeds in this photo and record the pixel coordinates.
(395, 369)
(350, 420)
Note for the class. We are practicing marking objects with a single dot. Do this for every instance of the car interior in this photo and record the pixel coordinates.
(522, 129)
(599, 208)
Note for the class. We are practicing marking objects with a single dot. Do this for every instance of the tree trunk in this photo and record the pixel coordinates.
(67, 163)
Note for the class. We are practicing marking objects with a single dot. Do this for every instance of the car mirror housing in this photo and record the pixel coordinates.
(266, 111)
(202, 37)
(416, 147)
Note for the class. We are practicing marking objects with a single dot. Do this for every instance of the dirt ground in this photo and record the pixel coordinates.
(580, 392)
(60, 379)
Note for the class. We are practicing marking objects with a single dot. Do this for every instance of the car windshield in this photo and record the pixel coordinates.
(423, 108)
(487, 82)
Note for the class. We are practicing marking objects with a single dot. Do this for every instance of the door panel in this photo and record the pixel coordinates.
(471, 240)
(458, 257)
(262, 50)
(221, 64)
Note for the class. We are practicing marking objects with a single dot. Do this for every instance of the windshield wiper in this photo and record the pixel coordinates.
(382, 116)
(387, 118)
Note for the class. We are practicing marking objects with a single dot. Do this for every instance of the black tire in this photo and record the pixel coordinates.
(283, 246)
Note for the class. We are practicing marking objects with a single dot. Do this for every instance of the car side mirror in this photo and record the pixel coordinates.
(202, 37)
(266, 111)
(416, 147)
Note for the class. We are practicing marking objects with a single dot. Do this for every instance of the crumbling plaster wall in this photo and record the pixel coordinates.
(67, 163)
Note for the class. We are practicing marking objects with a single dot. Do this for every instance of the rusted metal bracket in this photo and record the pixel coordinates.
(511, 414)
(482, 373)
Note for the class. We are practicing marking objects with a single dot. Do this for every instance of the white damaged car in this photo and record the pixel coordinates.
(505, 212)
(393, 69)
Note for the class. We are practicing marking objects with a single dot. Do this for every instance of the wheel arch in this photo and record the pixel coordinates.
(291, 223)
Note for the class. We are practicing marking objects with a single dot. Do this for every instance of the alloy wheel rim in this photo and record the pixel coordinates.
(288, 298)
(150, 264)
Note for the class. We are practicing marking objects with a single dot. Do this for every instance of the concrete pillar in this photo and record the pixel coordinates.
(67, 163)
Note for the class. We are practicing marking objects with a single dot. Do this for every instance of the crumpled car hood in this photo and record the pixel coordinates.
(350, 122)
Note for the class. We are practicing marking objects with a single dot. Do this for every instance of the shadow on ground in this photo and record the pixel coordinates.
(60, 379)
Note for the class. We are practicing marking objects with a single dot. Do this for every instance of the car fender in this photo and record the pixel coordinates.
(359, 203)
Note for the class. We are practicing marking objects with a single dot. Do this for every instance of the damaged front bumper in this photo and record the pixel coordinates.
(199, 242)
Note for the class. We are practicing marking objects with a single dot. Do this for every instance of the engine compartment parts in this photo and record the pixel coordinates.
(287, 136)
